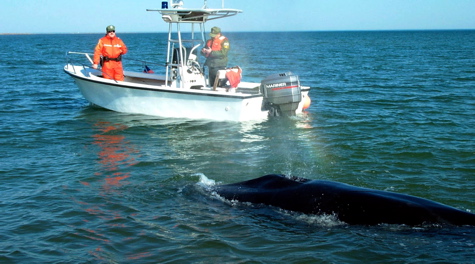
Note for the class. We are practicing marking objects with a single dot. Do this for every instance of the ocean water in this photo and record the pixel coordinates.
(390, 111)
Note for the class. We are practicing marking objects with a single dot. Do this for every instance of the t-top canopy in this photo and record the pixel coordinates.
(194, 15)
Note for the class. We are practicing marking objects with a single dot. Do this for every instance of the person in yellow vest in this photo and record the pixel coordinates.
(110, 48)
(216, 53)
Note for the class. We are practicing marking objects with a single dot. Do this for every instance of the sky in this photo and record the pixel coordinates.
(92, 16)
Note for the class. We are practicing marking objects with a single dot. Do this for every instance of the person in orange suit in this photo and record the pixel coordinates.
(110, 49)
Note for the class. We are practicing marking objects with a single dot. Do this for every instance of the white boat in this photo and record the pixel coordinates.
(183, 91)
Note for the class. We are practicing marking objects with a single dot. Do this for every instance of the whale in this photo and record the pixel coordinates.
(350, 204)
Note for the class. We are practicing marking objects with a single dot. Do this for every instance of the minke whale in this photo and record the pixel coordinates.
(350, 204)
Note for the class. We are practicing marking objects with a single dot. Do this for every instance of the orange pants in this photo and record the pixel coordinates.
(113, 70)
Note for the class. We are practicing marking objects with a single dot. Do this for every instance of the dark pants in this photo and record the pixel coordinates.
(212, 72)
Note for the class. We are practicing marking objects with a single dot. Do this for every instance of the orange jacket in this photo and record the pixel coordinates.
(217, 44)
(109, 47)
(218, 57)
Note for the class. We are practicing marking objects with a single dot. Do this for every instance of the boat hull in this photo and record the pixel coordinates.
(163, 101)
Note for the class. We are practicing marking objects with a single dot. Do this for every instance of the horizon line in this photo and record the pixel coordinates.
(247, 31)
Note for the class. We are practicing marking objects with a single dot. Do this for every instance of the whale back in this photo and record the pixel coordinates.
(351, 204)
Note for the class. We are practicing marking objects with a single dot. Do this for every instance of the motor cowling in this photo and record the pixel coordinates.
(282, 93)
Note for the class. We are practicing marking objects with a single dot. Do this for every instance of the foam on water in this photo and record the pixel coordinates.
(204, 181)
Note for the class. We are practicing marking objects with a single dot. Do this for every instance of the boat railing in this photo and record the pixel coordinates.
(71, 61)
(85, 67)
(89, 56)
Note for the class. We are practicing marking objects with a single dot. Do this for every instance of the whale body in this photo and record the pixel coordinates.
(352, 205)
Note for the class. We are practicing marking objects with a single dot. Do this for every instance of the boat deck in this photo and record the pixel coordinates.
(147, 81)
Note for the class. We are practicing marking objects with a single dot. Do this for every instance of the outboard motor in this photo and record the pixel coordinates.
(282, 94)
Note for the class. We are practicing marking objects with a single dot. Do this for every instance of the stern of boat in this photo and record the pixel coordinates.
(282, 94)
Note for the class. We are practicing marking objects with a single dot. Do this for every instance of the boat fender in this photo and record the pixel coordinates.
(306, 102)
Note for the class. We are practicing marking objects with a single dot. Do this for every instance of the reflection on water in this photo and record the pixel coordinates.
(101, 208)
(115, 153)
(224, 151)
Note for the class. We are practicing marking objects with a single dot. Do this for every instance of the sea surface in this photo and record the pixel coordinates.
(391, 110)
